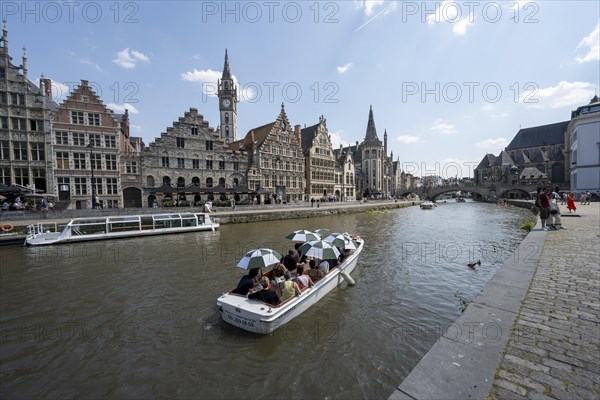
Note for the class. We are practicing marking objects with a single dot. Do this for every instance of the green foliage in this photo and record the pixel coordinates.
(528, 225)
(462, 301)
(168, 203)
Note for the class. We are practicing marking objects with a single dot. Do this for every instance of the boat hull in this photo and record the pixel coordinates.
(38, 237)
(257, 317)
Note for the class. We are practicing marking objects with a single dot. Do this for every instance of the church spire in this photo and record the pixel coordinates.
(4, 37)
(371, 131)
(226, 70)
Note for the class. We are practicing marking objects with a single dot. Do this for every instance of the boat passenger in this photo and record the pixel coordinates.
(324, 266)
(248, 282)
(290, 289)
(314, 273)
(302, 280)
(299, 256)
(267, 294)
(277, 278)
(290, 261)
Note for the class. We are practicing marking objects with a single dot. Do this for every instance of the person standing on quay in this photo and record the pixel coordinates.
(544, 205)
(571, 202)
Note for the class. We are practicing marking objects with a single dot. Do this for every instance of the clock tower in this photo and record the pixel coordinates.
(228, 104)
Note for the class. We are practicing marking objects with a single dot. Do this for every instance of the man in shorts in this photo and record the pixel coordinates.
(544, 204)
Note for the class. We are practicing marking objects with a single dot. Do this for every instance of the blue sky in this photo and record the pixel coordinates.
(449, 81)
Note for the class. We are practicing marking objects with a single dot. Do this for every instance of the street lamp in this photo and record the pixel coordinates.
(93, 183)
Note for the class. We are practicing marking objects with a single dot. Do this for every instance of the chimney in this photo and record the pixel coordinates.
(46, 87)
(298, 132)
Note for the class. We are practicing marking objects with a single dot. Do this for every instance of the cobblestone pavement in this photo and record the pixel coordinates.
(554, 348)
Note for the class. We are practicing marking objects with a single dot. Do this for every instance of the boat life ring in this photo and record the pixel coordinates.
(7, 228)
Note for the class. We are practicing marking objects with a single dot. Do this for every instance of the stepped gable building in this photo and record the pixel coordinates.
(130, 166)
(320, 163)
(275, 162)
(86, 142)
(345, 182)
(583, 148)
(25, 115)
(227, 104)
(539, 149)
(192, 161)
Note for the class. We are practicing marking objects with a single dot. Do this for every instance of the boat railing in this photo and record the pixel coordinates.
(41, 227)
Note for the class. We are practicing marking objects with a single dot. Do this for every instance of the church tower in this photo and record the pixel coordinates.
(228, 104)
(372, 159)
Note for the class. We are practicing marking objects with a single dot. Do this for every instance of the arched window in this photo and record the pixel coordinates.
(166, 180)
(235, 182)
(222, 182)
(196, 181)
(227, 118)
(180, 182)
(209, 182)
(227, 131)
(150, 181)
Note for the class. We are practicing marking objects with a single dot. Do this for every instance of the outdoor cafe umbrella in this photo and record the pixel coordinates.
(320, 249)
(321, 231)
(259, 258)
(303, 236)
(340, 240)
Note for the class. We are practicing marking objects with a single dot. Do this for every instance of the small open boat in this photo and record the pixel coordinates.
(99, 228)
(428, 205)
(258, 317)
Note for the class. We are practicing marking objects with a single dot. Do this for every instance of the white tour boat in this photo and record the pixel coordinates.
(258, 317)
(428, 205)
(98, 228)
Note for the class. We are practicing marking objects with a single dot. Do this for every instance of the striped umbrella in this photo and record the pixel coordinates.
(340, 240)
(320, 249)
(259, 258)
(321, 231)
(303, 236)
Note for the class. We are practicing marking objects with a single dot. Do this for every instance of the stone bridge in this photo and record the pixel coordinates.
(490, 192)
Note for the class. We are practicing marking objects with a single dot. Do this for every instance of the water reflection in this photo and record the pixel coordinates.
(136, 318)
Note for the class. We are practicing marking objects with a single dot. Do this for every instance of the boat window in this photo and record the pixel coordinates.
(89, 228)
(163, 221)
(124, 219)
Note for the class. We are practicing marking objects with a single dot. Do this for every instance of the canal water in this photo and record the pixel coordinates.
(136, 318)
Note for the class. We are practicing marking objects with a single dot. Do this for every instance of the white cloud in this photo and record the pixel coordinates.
(592, 43)
(137, 129)
(120, 108)
(565, 94)
(129, 58)
(369, 9)
(369, 6)
(344, 68)
(487, 107)
(443, 128)
(503, 115)
(408, 139)
(210, 83)
(451, 12)
(60, 91)
(336, 139)
(460, 28)
(85, 61)
(493, 144)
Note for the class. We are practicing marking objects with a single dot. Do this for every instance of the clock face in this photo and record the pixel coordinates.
(226, 103)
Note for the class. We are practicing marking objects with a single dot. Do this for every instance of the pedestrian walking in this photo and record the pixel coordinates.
(554, 218)
(571, 202)
(544, 205)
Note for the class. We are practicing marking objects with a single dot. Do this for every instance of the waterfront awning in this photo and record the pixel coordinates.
(164, 189)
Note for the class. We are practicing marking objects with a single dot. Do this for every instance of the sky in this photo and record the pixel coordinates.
(448, 81)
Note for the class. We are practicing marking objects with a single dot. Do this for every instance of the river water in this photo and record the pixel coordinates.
(136, 318)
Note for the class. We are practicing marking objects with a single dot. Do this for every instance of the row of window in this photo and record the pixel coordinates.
(74, 160)
(279, 150)
(181, 164)
(281, 165)
(22, 176)
(271, 181)
(83, 139)
(209, 182)
(322, 176)
(83, 185)
(319, 162)
(85, 118)
(20, 124)
(16, 99)
(22, 151)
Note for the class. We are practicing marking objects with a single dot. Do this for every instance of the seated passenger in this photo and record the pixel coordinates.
(314, 273)
(248, 282)
(290, 260)
(277, 278)
(302, 280)
(324, 266)
(290, 289)
(266, 295)
(299, 256)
